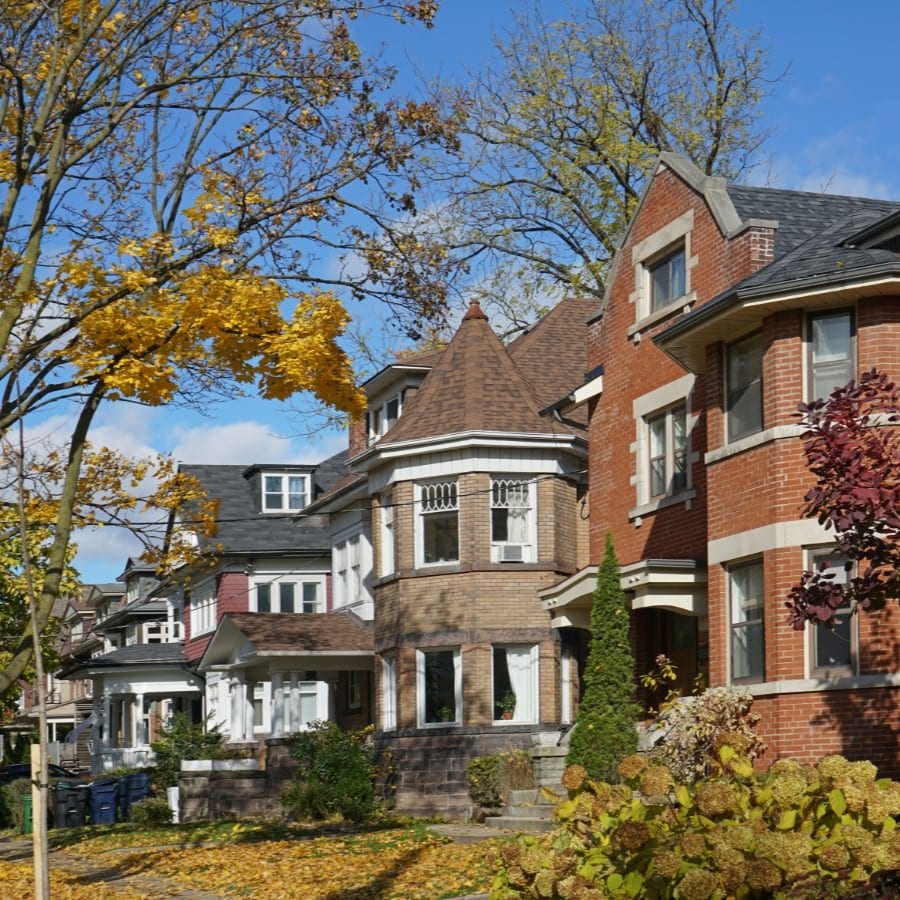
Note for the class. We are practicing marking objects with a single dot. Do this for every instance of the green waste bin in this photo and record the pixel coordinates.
(27, 824)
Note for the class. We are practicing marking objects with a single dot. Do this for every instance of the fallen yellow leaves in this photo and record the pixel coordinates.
(17, 880)
(395, 863)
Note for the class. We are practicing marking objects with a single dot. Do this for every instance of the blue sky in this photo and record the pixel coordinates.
(835, 118)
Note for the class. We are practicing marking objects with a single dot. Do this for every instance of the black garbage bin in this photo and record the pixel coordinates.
(132, 787)
(70, 804)
(104, 795)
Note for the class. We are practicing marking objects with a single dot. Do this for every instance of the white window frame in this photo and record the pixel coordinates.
(299, 583)
(386, 564)
(420, 687)
(664, 260)
(668, 456)
(203, 608)
(735, 625)
(849, 622)
(261, 692)
(380, 418)
(284, 492)
(526, 712)
(351, 568)
(297, 685)
(812, 364)
(522, 551)
(429, 501)
(389, 692)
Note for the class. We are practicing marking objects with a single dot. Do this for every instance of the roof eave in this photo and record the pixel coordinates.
(741, 310)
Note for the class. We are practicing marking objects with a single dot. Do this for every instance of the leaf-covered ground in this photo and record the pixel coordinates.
(276, 862)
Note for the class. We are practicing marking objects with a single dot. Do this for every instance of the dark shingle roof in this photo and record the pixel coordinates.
(474, 386)
(242, 528)
(133, 655)
(309, 632)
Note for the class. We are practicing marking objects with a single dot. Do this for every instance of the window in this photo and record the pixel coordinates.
(288, 596)
(831, 356)
(667, 282)
(353, 694)
(512, 519)
(388, 692)
(439, 683)
(351, 560)
(515, 684)
(438, 523)
(386, 561)
(381, 418)
(305, 701)
(747, 642)
(258, 693)
(667, 447)
(833, 652)
(285, 493)
(203, 609)
(743, 373)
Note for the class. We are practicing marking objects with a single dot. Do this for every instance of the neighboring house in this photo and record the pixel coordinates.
(137, 669)
(727, 307)
(467, 501)
(258, 614)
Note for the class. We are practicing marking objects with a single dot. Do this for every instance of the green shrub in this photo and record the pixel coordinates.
(150, 811)
(606, 727)
(804, 832)
(181, 740)
(491, 778)
(11, 801)
(692, 729)
(336, 774)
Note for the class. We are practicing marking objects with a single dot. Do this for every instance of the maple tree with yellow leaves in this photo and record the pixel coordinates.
(178, 179)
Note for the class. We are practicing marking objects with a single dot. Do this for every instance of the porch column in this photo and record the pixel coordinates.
(137, 715)
(106, 722)
(277, 705)
(238, 688)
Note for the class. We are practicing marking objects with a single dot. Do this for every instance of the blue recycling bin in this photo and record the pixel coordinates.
(70, 804)
(132, 787)
(104, 797)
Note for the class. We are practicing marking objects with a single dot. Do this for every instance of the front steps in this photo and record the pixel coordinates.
(529, 810)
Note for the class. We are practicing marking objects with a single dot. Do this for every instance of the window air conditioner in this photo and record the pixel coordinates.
(511, 553)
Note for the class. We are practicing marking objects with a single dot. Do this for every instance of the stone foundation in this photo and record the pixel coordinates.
(430, 765)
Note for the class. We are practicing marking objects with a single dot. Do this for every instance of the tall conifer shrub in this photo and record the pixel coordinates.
(605, 727)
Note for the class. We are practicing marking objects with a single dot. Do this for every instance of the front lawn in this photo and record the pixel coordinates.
(277, 861)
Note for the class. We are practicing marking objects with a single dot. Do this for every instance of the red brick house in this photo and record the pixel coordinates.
(726, 307)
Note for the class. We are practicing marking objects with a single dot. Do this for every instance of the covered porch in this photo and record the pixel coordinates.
(136, 690)
(668, 604)
(271, 674)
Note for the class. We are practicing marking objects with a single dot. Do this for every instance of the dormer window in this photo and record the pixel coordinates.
(381, 416)
(285, 493)
(667, 281)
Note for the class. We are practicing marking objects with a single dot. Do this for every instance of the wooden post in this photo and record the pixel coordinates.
(39, 792)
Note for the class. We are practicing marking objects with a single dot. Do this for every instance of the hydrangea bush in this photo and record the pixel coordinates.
(797, 831)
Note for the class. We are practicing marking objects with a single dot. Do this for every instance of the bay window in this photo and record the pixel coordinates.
(831, 353)
(743, 389)
(438, 523)
(746, 622)
(203, 608)
(515, 683)
(288, 596)
(512, 520)
(388, 692)
(439, 687)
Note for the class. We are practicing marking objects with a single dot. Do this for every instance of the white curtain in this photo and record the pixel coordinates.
(521, 679)
(517, 526)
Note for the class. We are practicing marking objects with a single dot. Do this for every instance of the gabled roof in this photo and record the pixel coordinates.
(335, 634)
(815, 249)
(475, 386)
(243, 528)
